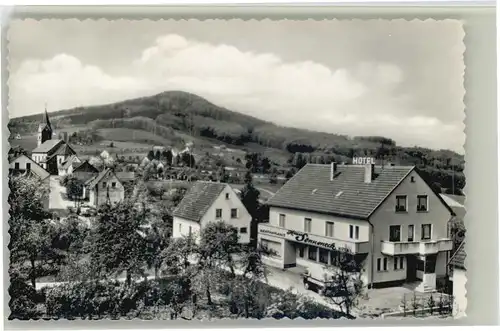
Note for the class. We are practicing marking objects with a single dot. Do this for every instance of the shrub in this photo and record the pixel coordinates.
(23, 299)
(93, 300)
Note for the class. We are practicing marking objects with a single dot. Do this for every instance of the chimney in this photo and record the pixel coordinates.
(369, 172)
(333, 170)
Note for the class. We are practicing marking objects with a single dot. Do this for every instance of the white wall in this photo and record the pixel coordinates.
(278, 260)
(242, 221)
(459, 292)
(294, 220)
(438, 215)
(181, 228)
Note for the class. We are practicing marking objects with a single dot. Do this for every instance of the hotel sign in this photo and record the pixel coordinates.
(300, 237)
(304, 237)
(363, 160)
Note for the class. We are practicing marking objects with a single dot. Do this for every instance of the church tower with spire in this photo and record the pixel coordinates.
(44, 129)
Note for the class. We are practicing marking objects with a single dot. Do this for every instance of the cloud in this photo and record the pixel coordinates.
(359, 100)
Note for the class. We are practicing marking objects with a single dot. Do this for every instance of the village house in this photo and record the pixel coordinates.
(385, 217)
(84, 171)
(459, 279)
(104, 188)
(68, 165)
(207, 202)
(23, 164)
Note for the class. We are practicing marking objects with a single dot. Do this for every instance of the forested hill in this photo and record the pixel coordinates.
(189, 113)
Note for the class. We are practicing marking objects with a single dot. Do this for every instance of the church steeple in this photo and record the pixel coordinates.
(44, 128)
(47, 121)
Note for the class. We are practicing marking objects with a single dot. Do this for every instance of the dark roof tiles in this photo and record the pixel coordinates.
(198, 200)
(347, 195)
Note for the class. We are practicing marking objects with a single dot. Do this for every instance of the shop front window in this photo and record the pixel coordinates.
(323, 255)
(313, 252)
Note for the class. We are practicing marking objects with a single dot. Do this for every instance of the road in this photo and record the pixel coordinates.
(57, 195)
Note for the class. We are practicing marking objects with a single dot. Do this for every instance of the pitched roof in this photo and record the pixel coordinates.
(198, 200)
(48, 146)
(125, 175)
(96, 179)
(35, 168)
(458, 258)
(347, 195)
(64, 149)
(85, 167)
(71, 160)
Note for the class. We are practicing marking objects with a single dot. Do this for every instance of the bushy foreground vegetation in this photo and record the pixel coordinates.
(125, 264)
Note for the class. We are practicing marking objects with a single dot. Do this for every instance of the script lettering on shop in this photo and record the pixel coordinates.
(274, 233)
(304, 237)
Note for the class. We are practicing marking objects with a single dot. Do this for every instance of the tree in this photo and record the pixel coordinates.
(119, 243)
(151, 155)
(157, 238)
(149, 172)
(30, 230)
(344, 286)
(273, 178)
(74, 189)
(222, 175)
(168, 156)
(250, 195)
(265, 164)
(250, 198)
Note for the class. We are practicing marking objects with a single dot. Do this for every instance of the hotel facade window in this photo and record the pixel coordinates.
(353, 231)
(282, 220)
(395, 233)
(422, 203)
(401, 203)
(218, 213)
(243, 230)
(28, 166)
(411, 232)
(398, 263)
(307, 225)
(329, 229)
(16, 165)
(426, 231)
(234, 213)
(382, 264)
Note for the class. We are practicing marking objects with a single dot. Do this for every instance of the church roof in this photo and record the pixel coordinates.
(65, 149)
(48, 146)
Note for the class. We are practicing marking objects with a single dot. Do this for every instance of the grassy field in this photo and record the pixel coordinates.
(132, 136)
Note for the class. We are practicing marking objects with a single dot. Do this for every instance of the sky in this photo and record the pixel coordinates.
(394, 78)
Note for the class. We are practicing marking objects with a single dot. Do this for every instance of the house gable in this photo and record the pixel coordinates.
(36, 169)
(414, 174)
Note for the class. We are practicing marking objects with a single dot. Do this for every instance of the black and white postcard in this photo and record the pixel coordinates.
(232, 169)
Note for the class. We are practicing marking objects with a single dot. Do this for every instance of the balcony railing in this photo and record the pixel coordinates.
(417, 247)
(353, 246)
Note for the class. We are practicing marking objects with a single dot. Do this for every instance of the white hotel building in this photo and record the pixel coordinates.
(387, 217)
